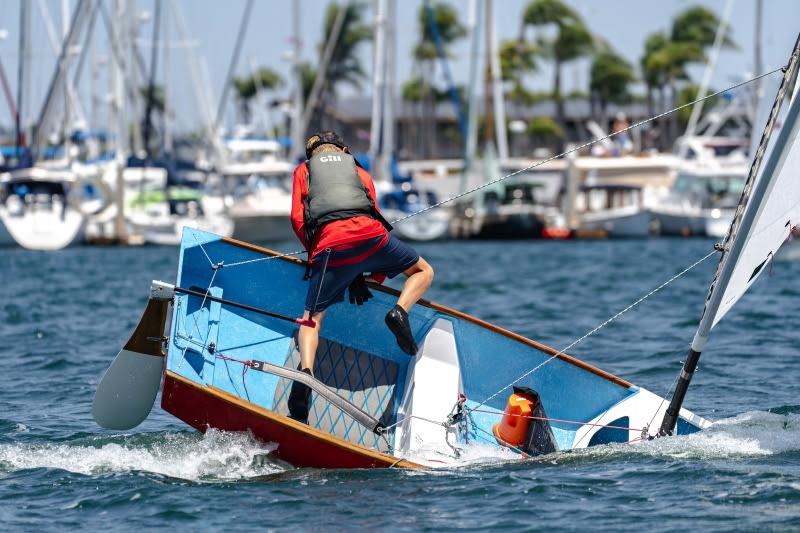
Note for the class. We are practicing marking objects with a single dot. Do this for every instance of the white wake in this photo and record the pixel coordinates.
(215, 456)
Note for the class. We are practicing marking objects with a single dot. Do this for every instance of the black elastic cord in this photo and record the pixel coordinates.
(321, 281)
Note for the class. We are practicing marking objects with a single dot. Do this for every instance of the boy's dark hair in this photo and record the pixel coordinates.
(324, 137)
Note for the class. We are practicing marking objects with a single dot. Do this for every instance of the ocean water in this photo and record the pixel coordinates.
(64, 315)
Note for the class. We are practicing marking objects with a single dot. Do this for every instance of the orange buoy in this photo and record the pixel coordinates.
(513, 428)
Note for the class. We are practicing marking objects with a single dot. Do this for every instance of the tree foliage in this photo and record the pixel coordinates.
(345, 64)
(517, 58)
(610, 77)
(448, 25)
(698, 24)
(263, 79)
(572, 40)
(688, 93)
(545, 128)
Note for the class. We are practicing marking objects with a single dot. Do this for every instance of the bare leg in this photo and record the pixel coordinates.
(308, 339)
(420, 277)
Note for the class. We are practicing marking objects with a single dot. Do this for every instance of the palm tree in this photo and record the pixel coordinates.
(517, 58)
(665, 59)
(572, 40)
(264, 79)
(421, 87)
(610, 76)
(345, 65)
(699, 25)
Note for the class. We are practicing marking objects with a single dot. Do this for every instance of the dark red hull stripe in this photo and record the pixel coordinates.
(206, 407)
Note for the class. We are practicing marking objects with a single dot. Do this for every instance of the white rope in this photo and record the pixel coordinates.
(595, 330)
(257, 259)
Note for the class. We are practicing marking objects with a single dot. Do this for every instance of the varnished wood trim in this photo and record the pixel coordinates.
(150, 325)
(384, 459)
(464, 316)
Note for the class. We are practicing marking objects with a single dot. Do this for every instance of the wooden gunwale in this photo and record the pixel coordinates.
(464, 316)
(388, 461)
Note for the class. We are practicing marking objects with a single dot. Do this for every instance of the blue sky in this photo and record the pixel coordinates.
(213, 24)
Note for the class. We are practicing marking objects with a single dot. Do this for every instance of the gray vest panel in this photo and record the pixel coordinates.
(335, 190)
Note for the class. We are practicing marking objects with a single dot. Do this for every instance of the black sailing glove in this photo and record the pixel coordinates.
(359, 293)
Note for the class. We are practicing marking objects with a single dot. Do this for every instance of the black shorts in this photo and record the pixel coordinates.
(391, 259)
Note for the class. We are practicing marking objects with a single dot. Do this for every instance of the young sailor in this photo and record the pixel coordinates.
(335, 216)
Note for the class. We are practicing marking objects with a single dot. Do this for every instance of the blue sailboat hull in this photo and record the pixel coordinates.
(211, 381)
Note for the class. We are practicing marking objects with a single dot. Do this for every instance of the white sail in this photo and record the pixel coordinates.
(770, 208)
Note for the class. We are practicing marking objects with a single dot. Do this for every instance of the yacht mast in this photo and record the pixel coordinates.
(388, 101)
(500, 131)
(237, 48)
(297, 76)
(378, 89)
(471, 142)
(23, 74)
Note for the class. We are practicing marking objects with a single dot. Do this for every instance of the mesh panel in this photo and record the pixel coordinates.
(366, 380)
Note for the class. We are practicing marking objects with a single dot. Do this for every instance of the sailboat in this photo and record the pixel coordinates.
(256, 185)
(223, 338)
(39, 208)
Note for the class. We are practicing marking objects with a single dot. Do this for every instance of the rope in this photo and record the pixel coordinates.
(269, 258)
(596, 329)
(321, 281)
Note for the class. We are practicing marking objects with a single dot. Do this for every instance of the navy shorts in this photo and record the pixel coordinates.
(392, 259)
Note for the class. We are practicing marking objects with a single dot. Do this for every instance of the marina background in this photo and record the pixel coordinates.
(549, 254)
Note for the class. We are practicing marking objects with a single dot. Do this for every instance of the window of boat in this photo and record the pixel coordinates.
(726, 185)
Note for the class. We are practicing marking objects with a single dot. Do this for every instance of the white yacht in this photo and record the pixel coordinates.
(706, 190)
(256, 183)
(157, 213)
(397, 202)
(613, 211)
(40, 208)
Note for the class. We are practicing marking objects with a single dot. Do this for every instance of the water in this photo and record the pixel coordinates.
(64, 315)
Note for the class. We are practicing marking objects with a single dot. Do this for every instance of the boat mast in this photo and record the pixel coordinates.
(387, 144)
(322, 68)
(166, 125)
(200, 89)
(237, 48)
(758, 59)
(378, 88)
(119, 110)
(471, 142)
(719, 40)
(501, 133)
(734, 243)
(297, 76)
(22, 74)
(151, 85)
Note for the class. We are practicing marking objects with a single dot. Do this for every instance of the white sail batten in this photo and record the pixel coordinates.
(768, 210)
